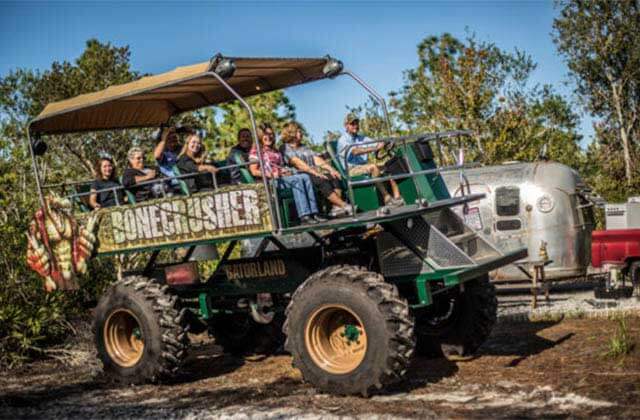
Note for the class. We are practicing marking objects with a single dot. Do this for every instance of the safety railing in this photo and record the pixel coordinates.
(405, 141)
(157, 181)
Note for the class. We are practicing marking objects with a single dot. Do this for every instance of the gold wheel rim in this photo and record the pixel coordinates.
(336, 339)
(123, 338)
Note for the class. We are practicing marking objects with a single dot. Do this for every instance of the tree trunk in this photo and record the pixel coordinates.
(627, 154)
(624, 134)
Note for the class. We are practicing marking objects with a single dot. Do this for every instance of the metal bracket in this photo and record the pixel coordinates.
(148, 269)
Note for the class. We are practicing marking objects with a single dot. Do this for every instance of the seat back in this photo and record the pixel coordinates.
(223, 177)
(184, 189)
(332, 149)
(245, 174)
(365, 196)
(131, 198)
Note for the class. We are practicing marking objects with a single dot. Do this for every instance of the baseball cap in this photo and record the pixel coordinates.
(351, 117)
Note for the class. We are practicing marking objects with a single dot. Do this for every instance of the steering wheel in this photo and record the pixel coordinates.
(385, 151)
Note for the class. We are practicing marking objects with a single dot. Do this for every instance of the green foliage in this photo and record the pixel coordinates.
(222, 125)
(599, 40)
(620, 344)
(474, 85)
(30, 320)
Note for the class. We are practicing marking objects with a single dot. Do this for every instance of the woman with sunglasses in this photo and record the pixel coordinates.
(300, 184)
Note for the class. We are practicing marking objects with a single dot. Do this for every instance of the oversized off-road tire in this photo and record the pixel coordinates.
(457, 323)
(139, 332)
(348, 331)
(240, 335)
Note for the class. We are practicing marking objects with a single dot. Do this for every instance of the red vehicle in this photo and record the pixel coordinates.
(616, 254)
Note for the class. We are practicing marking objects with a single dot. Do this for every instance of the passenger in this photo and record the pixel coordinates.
(300, 184)
(166, 151)
(359, 161)
(191, 161)
(136, 173)
(323, 176)
(106, 178)
(239, 153)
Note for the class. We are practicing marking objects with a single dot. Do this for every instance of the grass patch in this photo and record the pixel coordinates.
(620, 344)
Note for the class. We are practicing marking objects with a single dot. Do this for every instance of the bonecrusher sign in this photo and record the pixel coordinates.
(233, 209)
(202, 216)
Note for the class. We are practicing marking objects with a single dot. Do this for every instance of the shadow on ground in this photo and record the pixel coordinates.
(521, 340)
(213, 381)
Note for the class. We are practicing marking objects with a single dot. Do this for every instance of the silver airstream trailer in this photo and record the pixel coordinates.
(525, 204)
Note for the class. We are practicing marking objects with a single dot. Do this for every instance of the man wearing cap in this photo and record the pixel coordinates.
(358, 158)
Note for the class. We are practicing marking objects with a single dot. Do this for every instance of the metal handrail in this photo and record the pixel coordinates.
(275, 219)
(158, 181)
(405, 141)
(408, 175)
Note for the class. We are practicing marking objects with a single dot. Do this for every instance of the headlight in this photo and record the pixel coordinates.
(545, 203)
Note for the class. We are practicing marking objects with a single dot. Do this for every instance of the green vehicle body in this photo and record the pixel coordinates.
(424, 194)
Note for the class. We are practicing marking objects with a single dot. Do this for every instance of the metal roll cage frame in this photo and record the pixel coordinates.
(271, 196)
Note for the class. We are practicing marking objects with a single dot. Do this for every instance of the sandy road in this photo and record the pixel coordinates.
(550, 367)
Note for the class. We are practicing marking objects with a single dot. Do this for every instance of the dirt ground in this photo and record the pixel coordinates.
(554, 368)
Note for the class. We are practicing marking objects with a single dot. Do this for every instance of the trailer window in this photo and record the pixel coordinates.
(508, 201)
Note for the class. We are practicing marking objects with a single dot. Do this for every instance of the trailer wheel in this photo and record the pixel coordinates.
(140, 335)
(348, 331)
(240, 335)
(456, 325)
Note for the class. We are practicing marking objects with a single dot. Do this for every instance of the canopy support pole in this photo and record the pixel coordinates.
(254, 131)
(380, 100)
(34, 164)
(375, 95)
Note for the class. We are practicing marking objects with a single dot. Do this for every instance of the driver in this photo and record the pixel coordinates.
(358, 158)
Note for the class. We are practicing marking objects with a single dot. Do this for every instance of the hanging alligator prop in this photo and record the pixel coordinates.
(58, 246)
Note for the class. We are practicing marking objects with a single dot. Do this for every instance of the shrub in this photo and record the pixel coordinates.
(620, 344)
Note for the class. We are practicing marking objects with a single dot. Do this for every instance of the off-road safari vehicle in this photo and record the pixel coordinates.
(368, 292)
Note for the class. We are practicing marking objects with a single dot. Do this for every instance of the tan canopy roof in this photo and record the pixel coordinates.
(151, 101)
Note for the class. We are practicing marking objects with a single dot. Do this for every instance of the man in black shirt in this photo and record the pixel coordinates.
(137, 173)
(238, 154)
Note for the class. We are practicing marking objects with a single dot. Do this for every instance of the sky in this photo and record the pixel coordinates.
(375, 39)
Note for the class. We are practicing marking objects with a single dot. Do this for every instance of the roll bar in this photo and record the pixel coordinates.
(275, 216)
(405, 140)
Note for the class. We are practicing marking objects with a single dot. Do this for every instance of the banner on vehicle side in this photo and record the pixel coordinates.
(228, 211)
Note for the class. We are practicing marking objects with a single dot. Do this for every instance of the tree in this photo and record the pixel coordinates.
(599, 40)
(476, 86)
(273, 108)
(25, 93)
(29, 320)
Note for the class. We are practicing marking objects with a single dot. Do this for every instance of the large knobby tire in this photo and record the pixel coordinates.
(457, 324)
(140, 335)
(240, 335)
(348, 331)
